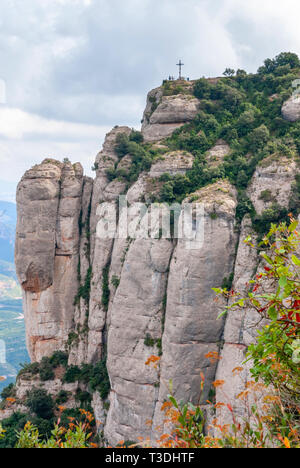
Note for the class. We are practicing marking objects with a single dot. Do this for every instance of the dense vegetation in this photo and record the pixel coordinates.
(42, 408)
(245, 111)
(141, 157)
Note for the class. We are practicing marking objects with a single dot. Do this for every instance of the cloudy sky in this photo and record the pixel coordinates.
(72, 69)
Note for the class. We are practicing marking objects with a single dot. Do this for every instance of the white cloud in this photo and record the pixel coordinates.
(16, 156)
(26, 139)
(16, 124)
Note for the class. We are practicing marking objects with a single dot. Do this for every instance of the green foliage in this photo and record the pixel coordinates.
(59, 358)
(72, 374)
(202, 89)
(274, 214)
(266, 196)
(229, 72)
(105, 287)
(45, 368)
(244, 206)
(227, 282)
(244, 110)
(15, 423)
(136, 136)
(11, 425)
(8, 392)
(149, 341)
(71, 435)
(62, 397)
(29, 369)
(258, 138)
(44, 426)
(40, 403)
(285, 59)
(276, 352)
(141, 155)
(72, 338)
(84, 398)
(85, 289)
(95, 167)
(115, 281)
(93, 375)
(100, 380)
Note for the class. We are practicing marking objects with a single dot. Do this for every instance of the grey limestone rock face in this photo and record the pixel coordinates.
(291, 108)
(191, 326)
(272, 182)
(175, 109)
(50, 200)
(215, 155)
(38, 192)
(169, 113)
(175, 162)
(136, 311)
(274, 177)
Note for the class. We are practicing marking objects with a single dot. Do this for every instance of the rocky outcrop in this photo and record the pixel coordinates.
(121, 297)
(164, 114)
(217, 153)
(175, 162)
(272, 182)
(238, 334)
(50, 200)
(38, 192)
(291, 108)
(191, 329)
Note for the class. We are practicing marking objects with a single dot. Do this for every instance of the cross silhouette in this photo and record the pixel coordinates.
(180, 65)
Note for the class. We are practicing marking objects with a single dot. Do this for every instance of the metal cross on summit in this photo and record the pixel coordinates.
(180, 65)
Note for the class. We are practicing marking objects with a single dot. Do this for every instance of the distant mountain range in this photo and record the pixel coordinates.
(9, 287)
(8, 219)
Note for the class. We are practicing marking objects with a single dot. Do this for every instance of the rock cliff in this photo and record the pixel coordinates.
(118, 299)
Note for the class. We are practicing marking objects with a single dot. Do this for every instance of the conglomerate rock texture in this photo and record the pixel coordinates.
(159, 289)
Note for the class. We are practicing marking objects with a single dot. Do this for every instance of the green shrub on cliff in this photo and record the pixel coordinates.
(40, 403)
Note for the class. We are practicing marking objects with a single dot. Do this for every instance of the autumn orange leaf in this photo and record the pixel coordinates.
(237, 370)
(166, 405)
(287, 443)
(218, 383)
